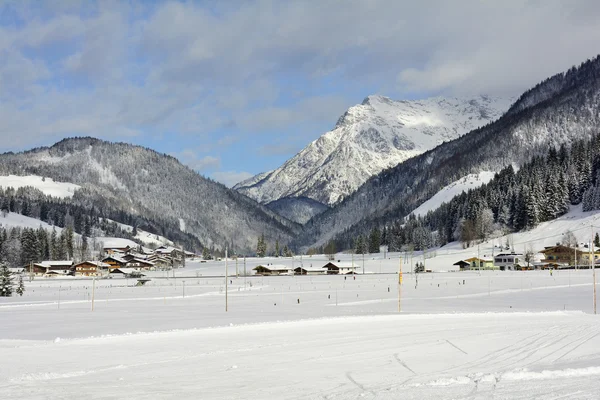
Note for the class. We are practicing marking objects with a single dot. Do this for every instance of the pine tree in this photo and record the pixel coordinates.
(360, 245)
(61, 246)
(20, 286)
(6, 282)
(68, 234)
(43, 246)
(30, 251)
(374, 240)
(597, 240)
(277, 253)
(206, 253)
(53, 245)
(261, 246)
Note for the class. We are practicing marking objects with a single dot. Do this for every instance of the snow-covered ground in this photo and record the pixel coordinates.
(446, 194)
(501, 335)
(46, 185)
(441, 335)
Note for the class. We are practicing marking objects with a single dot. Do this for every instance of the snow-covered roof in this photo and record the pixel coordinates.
(138, 260)
(166, 249)
(116, 258)
(483, 259)
(310, 269)
(98, 264)
(127, 271)
(342, 265)
(274, 267)
(50, 264)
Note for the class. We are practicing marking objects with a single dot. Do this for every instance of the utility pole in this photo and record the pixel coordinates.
(593, 265)
(226, 280)
(478, 260)
(244, 272)
(93, 292)
(237, 275)
(183, 289)
(363, 263)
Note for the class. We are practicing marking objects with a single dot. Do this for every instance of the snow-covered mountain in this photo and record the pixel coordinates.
(556, 113)
(370, 137)
(137, 186)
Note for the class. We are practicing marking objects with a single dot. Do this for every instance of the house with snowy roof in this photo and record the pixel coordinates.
(272, 269)
(333, 268)
(91, 268)
(51, 268)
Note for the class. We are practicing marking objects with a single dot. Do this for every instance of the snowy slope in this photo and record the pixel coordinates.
(368, 138)
(46, 185)
(145, 237)
(12, 220)
(471, 181)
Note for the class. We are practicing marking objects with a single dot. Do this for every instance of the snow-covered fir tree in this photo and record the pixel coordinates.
(20, 286)
(6, 281)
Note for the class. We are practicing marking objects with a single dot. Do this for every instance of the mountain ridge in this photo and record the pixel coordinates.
(145, 182)
(369, 137)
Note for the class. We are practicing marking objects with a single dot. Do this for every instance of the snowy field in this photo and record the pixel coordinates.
(461, 335)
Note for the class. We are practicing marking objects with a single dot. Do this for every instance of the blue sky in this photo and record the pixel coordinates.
(235, 88)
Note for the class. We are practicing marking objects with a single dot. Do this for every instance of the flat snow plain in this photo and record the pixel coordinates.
(501, 335)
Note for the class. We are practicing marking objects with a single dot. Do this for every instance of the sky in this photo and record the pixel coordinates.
(234, 88)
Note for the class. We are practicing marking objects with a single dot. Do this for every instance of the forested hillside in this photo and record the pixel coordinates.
(140, 187)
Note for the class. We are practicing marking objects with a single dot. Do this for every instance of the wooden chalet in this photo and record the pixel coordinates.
(91, 268)
(159, 261)
(117, 250)
(335, 268)
(309, 271)
(561, 256)
(51, 268)
(480, 263)
(272, 269)
(114, 262)
(140, 264)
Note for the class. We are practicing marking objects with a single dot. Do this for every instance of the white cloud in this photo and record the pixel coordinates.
(191, 158)
(230, 178)
(176, 68)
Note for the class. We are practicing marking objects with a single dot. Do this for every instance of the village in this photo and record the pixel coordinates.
(550, 258)
(127, 261)
(132, 262)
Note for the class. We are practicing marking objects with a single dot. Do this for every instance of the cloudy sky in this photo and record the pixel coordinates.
(233, 88)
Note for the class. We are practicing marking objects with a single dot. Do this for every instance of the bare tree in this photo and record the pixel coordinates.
(569, 239)
(529, 255)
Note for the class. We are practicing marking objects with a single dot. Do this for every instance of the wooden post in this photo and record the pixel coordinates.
(400, 286)
(226, 280)
(93, 292)
(593, 265)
